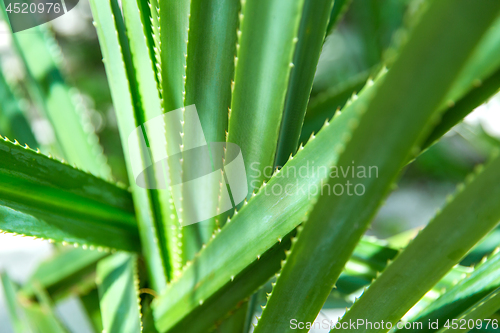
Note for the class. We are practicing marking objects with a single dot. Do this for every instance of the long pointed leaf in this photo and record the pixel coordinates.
(410, 111)
(266, 43)
(476, 83)
(72, 126)
(120, 73)
(90, 303)
(61, 273)
(209, 73)
(13, 123)
(44, 198)
(475, 317)
(172, 24)
(462, 223)
(150, 108)
(41, 316)
(18, 322)
(313, 25)
(119, 295)
(278, 214)
(484, 280)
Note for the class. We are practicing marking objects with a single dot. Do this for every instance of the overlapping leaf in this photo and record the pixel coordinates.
(44, 198)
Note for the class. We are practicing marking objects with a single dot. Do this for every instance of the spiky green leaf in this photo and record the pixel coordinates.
(313, 25)
(122, 79)
(267, 38)
(463, 222)
(374, 144)
(17, 317)
(484, 280)
(44, 198)
(477, 316)
(119, 294)
(60, 102)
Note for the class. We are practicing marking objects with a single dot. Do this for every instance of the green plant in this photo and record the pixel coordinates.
(249, 68)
